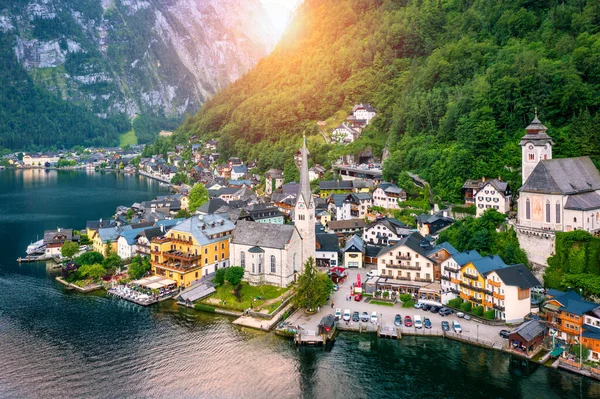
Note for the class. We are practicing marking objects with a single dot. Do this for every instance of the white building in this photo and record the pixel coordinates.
(364, 112)
(327, 250)
(345, 134)
(385, 232)
(39, 160)
(451, 273)
(493, 194)
(557, 195)
(510, 289)
(349, 206)
(387, 195)
(273, 180)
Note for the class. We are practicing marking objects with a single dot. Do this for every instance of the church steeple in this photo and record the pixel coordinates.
(304, 212)
(536, 146)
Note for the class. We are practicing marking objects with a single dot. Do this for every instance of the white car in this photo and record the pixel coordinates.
(374, 317)
(456, 327)
(338, 313)
(346, 316)
(373, 273)
(418, 323)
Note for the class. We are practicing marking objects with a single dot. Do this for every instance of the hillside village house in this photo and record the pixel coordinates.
(364, 112)
(192, 249)
(327, 187)
(353, 252)
(345, 134)
(385, 232)
(106, 237)
(557, 195)
(316, 172)
(274, 180)
(349, 206)
(387, 195)
(54, 240)
(346, 228)
(486, 194)
(265, 213)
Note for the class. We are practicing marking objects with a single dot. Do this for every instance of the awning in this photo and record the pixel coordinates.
(556, 352)
(551, 307)
(154, 286)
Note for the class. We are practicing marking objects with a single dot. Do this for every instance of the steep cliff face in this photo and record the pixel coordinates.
(136, 56)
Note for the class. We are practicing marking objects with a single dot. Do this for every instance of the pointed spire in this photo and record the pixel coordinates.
(304, 179)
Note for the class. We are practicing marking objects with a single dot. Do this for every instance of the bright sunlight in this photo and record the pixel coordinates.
(280, 12)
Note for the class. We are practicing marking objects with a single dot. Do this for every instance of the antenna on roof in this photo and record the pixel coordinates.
(535, 110)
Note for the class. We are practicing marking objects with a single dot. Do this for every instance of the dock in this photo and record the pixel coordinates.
(39, 258)
(308, 337)
(389, 332)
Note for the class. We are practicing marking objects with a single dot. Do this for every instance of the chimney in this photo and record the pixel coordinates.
(499, 178)
(483, 179)
(162, 228)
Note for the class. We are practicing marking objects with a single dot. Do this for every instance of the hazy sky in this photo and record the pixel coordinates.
(280, 11)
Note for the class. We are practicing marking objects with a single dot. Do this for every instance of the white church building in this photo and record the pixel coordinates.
(556, 195)
(275, 254)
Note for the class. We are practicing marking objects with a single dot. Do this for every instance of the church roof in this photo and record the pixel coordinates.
(563, 176)
(536, 133)
(584, 201)
(264, 235)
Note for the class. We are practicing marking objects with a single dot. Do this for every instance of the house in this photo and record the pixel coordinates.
(387, 195)
(106, 237)
(556, 195)
(385, 232)
(265, 213)
(316, 172)
(30, 160)
(127, 242)
(92, 226)
(144, 238)
(432, 224)
(345, 228)
(54, 240)
(211, 145)
(211, 206)
(527, 337)
(488, 193)
(192, 249)
(508, 292)
(353, 252)
(327, 250)
(451, 277)
(364, 112)
(165, 133)
(238, 172)
(268, 253)
(565, 313)
(274, 180)
(349, 206)
(345, 134)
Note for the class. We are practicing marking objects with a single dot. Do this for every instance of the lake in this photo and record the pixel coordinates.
(56, 343)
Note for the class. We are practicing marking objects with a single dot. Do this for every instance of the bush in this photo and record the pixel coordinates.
(478, 311)
(406, 297)
(574, 350)
(489, 314)
(234, 275)
(455, 303)
(219, 277)
(408, 304)
(466, 306)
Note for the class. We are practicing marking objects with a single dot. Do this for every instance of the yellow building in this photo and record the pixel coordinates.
(192, 249)
(473, 280)
(105, 237)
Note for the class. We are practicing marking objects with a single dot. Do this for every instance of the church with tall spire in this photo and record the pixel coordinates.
(304, 211)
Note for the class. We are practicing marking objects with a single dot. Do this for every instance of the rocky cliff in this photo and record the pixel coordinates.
(136, 56)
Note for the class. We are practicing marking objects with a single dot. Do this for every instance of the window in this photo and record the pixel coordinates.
(294, 263)
(243, 259)
(557, 211)
(273, 265)
(527, 209)
(531, 157)
(575, 220)
(260, 264)
(253, 267)
(547, 211)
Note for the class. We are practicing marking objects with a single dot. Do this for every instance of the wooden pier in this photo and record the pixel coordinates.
(389, 332)
(39, 258)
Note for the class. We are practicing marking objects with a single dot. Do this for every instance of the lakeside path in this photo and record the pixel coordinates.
(471, 330)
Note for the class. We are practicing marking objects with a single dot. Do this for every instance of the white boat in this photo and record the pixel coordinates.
(36, 247)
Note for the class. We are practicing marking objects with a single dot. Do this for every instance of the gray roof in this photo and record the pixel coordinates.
(536, 133)
(529, 330)
(328, 242)
(262, 234)
(499, 185)
(488, 263)
(355, 241)
(197, 291)
(211, 206)
(465, 257)
(563, 176)
(584, 201)
(518, 275)
(201, 227)
(108, 234)
(415, 241)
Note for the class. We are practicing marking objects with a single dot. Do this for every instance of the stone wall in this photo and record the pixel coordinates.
(539, 245)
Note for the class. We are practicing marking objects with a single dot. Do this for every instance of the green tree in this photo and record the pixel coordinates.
(579, 351)
(314, 287)
(89, 258)
(69, 248)
(112, 262)
(198, 196)
(138, 267)
(92, 272)
(183, 213)
(234, 275)
(219, 278)
(180, 178)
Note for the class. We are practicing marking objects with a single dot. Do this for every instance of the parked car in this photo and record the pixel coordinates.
(407, 321)
(364, 317)
(426, 307)
(418, 322)
(338, 314)
(418, 305)
(358, 297)
(355, 316)
(374, 317)
(373, 273)
(460, 315)
(456, 327)
(445, 326)
(336, 287)
(467, 317)
(504, 333)
(434, 309)
(427, 323)
(398, 320)
(445, 311)
(346, 316)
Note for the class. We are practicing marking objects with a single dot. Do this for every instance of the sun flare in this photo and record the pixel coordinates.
(280, 12)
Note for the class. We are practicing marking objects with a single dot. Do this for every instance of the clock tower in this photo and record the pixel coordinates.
(304, 212)
(536, 146)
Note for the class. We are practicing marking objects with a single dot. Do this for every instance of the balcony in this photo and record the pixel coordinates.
(423, 280)
(470, 276)
(488, 292)
(488, 304)
(404, 278)
(391, 265)
(181, 241)
(454, 290)
(464, 296)
(185, 256)
(443, 277)
(494, 283)
(403, 257)
(498, 296)
(473, 299)
(161, 240)
(454, 281)
(498, 307)
(471, 287)
(451, 269)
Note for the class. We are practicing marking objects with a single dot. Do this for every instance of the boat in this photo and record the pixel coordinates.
(37, 247)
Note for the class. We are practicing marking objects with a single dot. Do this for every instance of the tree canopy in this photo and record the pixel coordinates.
(198, 196)
(138, 267)
(69, 248)
(89, 258)
(314, 287)
(234, 275)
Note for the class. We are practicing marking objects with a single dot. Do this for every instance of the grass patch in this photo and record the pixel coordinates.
(128, 138)
(382, 303)
(248, 292)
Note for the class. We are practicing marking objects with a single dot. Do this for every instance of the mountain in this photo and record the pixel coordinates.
(121, 58)
(455, 83)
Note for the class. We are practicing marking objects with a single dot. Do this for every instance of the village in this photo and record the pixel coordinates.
(381, 250)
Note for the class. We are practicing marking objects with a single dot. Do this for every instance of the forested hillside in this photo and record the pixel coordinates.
(455, 81)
